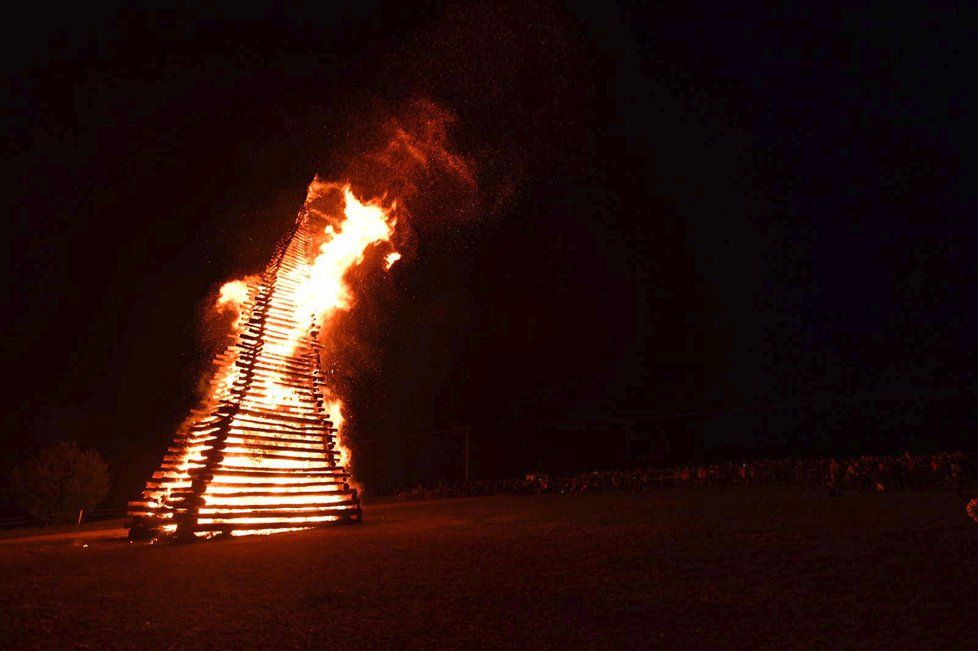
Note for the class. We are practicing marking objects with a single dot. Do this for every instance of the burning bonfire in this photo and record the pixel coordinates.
(264, 452)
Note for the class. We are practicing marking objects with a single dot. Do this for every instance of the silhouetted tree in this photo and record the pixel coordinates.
(59, 480)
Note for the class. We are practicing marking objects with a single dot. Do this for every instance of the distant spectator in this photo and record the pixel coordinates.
(867, 473)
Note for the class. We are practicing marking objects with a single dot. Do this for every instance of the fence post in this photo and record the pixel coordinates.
(467, 428)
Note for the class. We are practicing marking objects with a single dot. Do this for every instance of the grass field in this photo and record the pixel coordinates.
(678, 568)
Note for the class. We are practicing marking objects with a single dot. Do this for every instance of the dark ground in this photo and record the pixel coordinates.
(673, 568)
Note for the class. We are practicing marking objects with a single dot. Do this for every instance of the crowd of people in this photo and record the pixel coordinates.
(949, 470)
(953, 471)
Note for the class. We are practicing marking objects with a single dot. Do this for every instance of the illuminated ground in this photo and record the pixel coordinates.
(676, 568)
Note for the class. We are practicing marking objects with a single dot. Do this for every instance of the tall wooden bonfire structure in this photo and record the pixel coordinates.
(260, 455)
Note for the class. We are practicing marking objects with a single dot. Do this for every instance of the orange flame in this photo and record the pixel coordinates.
(258, 456)
(279, 431)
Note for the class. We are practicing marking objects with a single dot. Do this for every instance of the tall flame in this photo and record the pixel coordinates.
(264, 452)
(260, 455)
(322, 289)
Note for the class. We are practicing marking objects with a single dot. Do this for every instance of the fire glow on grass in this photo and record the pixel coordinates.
(264, 453)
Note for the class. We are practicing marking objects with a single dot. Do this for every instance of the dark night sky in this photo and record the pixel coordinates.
(682, 211)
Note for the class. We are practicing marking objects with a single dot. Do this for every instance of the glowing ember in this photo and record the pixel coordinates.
(264, 453)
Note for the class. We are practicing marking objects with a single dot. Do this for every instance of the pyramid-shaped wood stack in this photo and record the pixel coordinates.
(260, 455)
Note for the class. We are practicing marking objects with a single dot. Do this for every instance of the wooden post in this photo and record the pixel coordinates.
(467, 428)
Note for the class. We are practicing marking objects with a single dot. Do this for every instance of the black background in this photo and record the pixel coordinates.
(746, 231)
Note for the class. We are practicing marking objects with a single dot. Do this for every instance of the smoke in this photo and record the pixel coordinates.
(418, 148)
(406, 160)
(408, 157)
